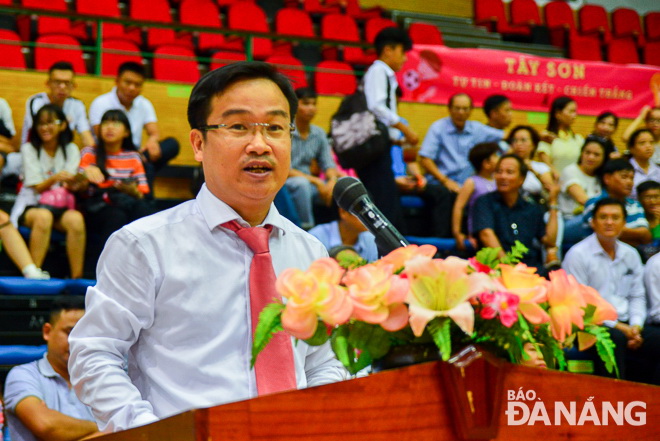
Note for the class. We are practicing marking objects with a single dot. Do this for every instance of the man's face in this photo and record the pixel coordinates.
(507, 176)
(396, 56)
(460, 110)
(650, 200)
(129, 86)
(60, 85)
(620, 183)
(501, 116)
(57, 336)
(306, 110)
(245, 172)
(608, 221)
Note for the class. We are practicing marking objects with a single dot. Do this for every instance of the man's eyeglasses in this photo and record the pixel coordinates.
(247, 130)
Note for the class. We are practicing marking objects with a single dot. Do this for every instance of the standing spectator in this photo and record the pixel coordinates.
(605, 126)
(126, 96)
(651, 118)
(444, 152)
(618, 175)
(640, 146)
(503, 217)
(564, 149)
(7, 132)
(308, 144)
(348, 231)
(483, 158)
(615, 270)
(380, 86)
(61, 83)
(41, 405)
(50, 166)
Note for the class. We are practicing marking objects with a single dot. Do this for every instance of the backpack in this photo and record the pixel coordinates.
(358, 137)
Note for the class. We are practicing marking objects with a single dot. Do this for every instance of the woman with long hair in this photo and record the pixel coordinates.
(46, 201)
(604, 128)
(564, 149)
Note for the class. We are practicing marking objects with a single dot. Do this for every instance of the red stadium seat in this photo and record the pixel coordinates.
(291, 67)
(353, 9)
(652, 53)
(333, 83)
(622, 50)
(652, 25)
(490, 13)
(51, 25)
(343, 27)
(560, 22)
(175, 63)
(374, 25)
(315, 7)
(593, 21)
(111, 61)
(109, 8)
(289, 21)
(524, 13)
(12, 56)
(585, 47)
(44, 57)
(206, 13)
(424, 33)
(246, 16)
(219, 59)
(158, 11)
(626, 23)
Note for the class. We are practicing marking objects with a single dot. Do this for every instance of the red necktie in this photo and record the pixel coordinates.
(274, 367)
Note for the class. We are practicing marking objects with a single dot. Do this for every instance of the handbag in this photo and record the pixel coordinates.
(58, 197)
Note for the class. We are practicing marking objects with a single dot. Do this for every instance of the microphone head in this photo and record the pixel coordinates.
(347, 191)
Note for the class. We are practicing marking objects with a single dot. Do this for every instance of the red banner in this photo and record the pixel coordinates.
(433, 73)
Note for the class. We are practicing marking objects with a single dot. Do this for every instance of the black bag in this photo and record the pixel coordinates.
(358, 137)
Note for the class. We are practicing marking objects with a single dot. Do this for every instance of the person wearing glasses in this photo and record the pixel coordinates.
(175, 290)
(60, 85)
(503, 217)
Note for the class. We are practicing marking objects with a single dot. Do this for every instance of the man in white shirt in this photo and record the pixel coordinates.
(61, 83)
(172, 295)
(126, 96)
(615, 270)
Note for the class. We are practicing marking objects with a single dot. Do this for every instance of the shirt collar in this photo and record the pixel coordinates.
(388, 69)
(45, 368)
(467, 128)
(519, 202)
(216, 212)
(595, 244)
(118, 103)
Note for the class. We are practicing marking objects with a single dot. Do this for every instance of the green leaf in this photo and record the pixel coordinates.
(371, 338)
(589, 313)
(320, 336)
(340, 346)
(270, 322)
(605, 347)
(518, 251)
(350, 260)
(488, 256)
(439, 330)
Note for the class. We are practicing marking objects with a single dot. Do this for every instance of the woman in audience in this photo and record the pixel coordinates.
(605, 126)
(483, 158)
(651, 118)
(116, 178)
(640, 146)
(14, 245)
(46, 201)
(524, 141)
(503, 217)
(564, 149)
(580, 182)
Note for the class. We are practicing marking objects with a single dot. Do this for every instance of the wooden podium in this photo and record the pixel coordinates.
(431, 401)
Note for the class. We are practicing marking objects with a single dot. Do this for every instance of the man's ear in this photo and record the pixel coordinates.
(197, 142)
(46, 329)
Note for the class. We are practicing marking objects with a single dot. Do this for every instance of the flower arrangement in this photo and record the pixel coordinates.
(409, 297)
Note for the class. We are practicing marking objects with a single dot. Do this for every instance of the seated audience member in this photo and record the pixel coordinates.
(14, 245)
(349, 231)
(618, 183)
(117, 183)
(46, 200)
(483, 158)
(126, 96)
(524, 141)
(648, 194)
(308, 144)
(640, 146)
(7, 132)
(498, 111)
(652, 284)
(41, 405)
(564, 149)
(651, 118)
(503, 217)
(61, 83)
(604, 127)
(578, 183)
(444, 152)
(615, 270)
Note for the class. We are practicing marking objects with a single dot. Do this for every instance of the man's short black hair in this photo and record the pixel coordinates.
(493, 102)
(132, 66)
(480, 152)
(522, 167)
(647, 186)
(391, 37)
(61, 65)
(306, 92)
(610, 201)
(456, 95)
(65, 303)
(217, 81)
(615, 165)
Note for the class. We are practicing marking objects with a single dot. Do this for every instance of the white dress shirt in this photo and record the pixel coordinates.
(173, 297)
(73, 109)
(652, 282)
(619, 281)
(375, 90)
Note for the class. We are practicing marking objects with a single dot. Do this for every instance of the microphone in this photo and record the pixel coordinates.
(350, 194)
